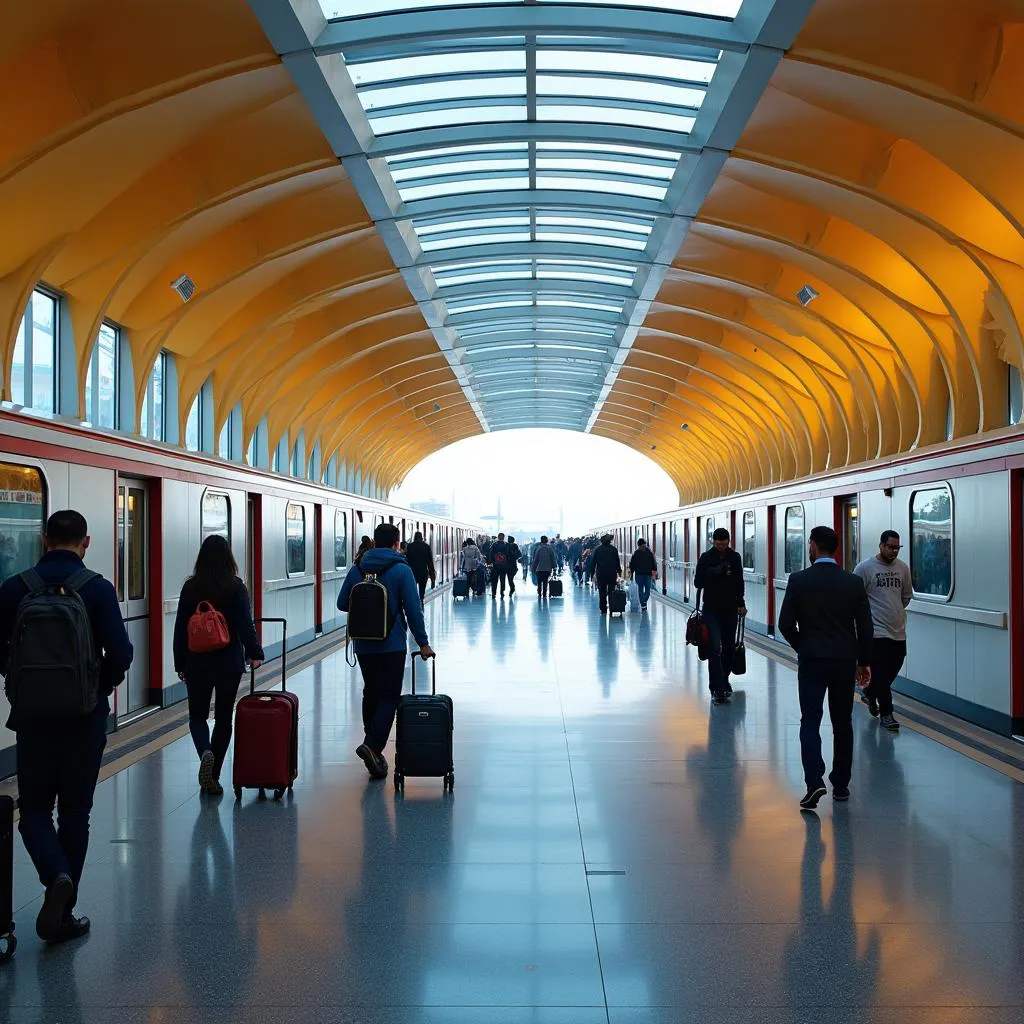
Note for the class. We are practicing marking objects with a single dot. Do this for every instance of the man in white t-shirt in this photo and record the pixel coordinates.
(888, 583)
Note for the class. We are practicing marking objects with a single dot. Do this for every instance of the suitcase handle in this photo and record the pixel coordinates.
(284, 655)
(433, 672)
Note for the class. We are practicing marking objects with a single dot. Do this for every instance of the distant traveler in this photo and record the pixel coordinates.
(826, 619)
(514, 554)
(365, 544)
(421, 561)
(63, 646)
(214, 673)
(543, 564)
(890, 589)
(643, 567)
(719, 575)
(500, 559)
(524, 558)
(382, 662)
(474, 567)
(606, 567)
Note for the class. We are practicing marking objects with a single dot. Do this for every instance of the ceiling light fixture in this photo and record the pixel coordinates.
(807, 295)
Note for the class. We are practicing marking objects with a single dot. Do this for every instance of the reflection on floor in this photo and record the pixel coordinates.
(615, 850)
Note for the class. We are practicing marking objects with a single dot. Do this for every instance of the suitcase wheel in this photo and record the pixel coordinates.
(449, 781)
(399, 783)
(262, 794)
(8, 944)
(238, 792)
(278, 793)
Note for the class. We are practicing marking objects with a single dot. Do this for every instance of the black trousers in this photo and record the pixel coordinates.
(887, 657)
(605, 586)
(383, 675)
(58, 763)
(422, 584)
(834, 678)
(225, 692)
(543, 575)
(722, 635)
(500, 575)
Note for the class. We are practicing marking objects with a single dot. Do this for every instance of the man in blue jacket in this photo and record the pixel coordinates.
(382, 662)
(59, 758)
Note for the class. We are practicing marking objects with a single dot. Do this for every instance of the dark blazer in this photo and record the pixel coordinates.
(720, 576)
(421, 560)
(606, 562)
(229, 661)
(825, 614)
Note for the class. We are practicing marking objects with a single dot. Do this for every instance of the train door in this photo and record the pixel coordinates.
(770, 555)
(318, 570)
(848, 528)
(133, 591)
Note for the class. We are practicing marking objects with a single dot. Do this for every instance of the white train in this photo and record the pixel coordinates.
(959, 511)
(150, 505)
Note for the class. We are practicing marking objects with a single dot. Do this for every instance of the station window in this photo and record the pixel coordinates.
(216, 516)
(748, 540)
(226, 440)
(1014, 396)
(151, 422)
(295, 467)
(340, 539)
(22, 518)
(794, 560)
(101, 382)
(295, 539)
(34, 368)
(931, 541)
(250, 451)
(193, 425)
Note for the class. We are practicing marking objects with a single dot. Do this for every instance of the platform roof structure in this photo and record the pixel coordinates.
(755, 239)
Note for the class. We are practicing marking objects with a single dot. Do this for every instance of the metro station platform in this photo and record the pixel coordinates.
(615, 850)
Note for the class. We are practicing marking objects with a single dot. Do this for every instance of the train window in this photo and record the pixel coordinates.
(748, 540)
(101, 382)
(192, 426)
(931, 541)
(340, 539)
(794, 560)
(34, 368)
(216, 516)
(136, 543)
(295, 539)
(22, 518)
(709, 531)
(151, 422)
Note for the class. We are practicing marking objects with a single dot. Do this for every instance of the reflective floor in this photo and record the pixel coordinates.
(615, 850)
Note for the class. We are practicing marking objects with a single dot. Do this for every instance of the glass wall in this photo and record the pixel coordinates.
(794, 560)
(151, 422)
(34, 371)
(22, 518)
(193, 426)
(101, 381)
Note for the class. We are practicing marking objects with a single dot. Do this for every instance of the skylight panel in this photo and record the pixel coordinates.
(426, 227)
(559, 300)
(430, 65)
(474, 276)
(476, 307)
(620, 89)
(601, 166)
(460, 186)
(432, 118)
(433, 244)
(715, 8)
(461, 167)
(548, 111)
(564, 274)
(674, 69)
(569, 220)
(620, 187)
(339, 9)
(382, 97)
(590, 239)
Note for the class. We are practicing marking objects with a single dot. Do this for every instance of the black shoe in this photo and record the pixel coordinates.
(812, 796)
(841, 793)
(728, 690)
(871, 703)
(372, 762)
(71, 928)
(207, 765)
(719, 697)
(51, 914)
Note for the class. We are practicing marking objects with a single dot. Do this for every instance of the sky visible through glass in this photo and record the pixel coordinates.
(545, 480)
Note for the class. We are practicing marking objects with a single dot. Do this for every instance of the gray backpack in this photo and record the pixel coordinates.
(52, 669)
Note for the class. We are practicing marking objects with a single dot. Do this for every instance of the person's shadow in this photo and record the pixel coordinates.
(825, 966)
(643, 643)
(607, 651)
(503, 628)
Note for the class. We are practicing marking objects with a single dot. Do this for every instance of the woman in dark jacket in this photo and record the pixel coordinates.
(219, 672)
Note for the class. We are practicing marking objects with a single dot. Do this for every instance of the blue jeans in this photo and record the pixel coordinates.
(722, 641)
(643, 580)
(59, 763)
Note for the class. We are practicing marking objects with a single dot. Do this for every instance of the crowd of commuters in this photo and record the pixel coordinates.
(845, 627)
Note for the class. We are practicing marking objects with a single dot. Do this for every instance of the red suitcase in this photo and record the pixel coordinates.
(267, 736)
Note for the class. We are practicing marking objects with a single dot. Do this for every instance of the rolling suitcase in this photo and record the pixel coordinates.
(554, 587)
(8, 943)
(423, 737)
(460, 587)
(267, 735)
(617, 601)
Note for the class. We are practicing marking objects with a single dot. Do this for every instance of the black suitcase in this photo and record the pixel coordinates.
(423, 740)
(617, 601)
(554, 588)
(8, 943)
(460, 587)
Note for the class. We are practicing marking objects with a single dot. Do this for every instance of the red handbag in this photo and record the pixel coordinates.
(207, 630)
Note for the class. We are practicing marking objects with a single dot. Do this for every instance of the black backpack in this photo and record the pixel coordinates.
(52, 669)
(499, 556)
(369, 611)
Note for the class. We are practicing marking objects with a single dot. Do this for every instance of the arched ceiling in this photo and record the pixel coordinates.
(416, 221)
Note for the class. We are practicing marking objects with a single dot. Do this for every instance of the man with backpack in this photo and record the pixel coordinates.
(381, 610)
(501, 565)
(63, 649)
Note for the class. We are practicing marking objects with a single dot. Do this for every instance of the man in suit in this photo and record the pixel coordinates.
(826, 619)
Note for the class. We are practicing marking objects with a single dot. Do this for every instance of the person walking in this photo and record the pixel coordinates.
(607, 568)
(421, 560)
(543, 564)
(216, 673)
(500, 559)
(382, 662)
(55, 618)
(473, 566)
(719, 576)
(514, 555)
(365, 544)
(826, 619)
(643, 567)
(890, 589)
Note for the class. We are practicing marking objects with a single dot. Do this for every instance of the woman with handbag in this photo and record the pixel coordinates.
(213, 634)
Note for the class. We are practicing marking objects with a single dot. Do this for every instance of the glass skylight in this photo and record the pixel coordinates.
(458, 186)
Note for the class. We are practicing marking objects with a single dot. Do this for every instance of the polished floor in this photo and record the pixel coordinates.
(615, 850)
